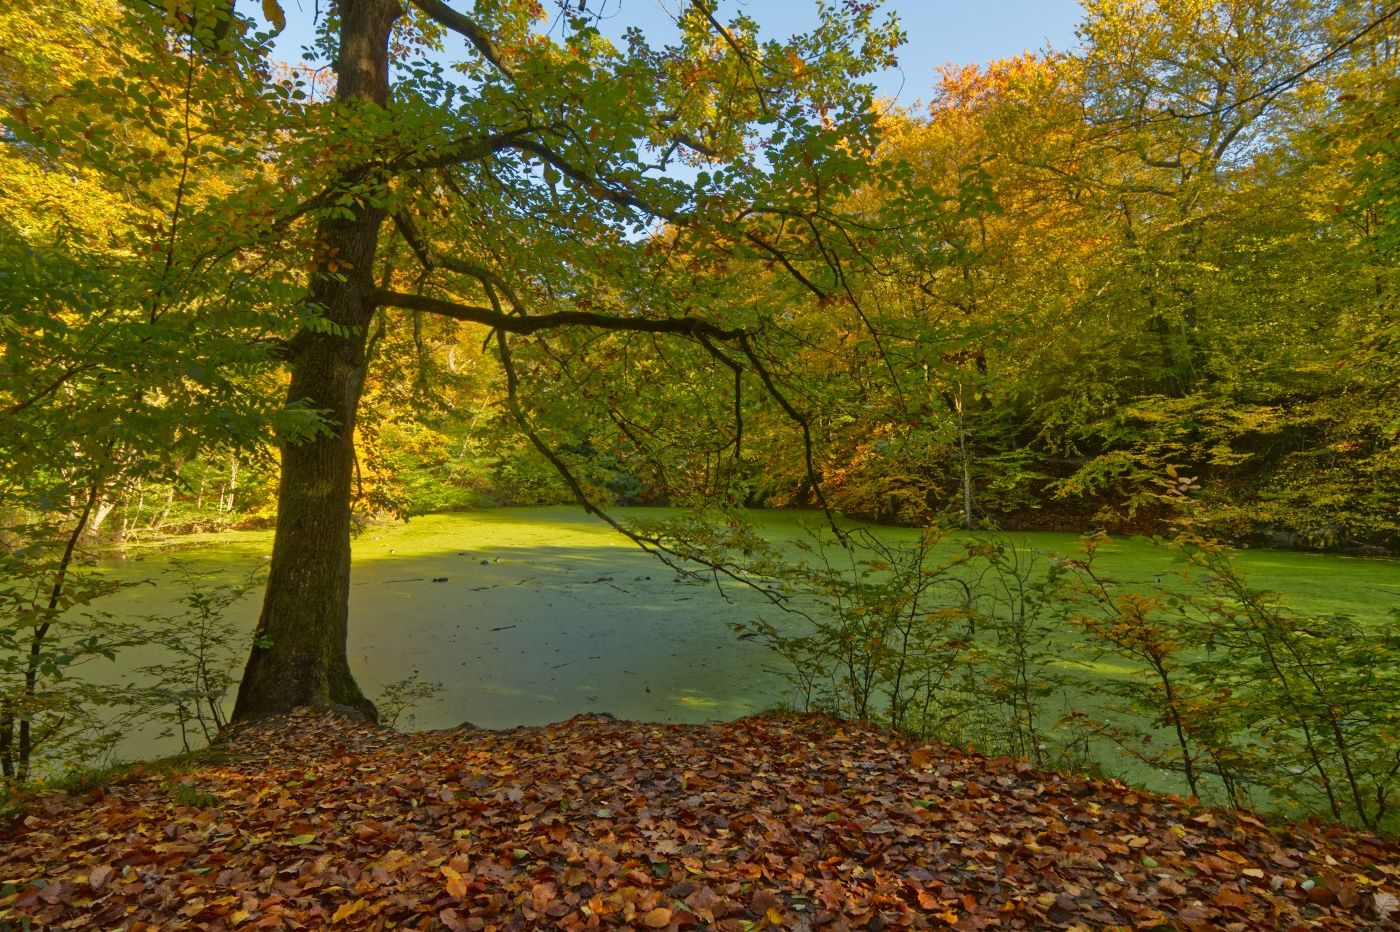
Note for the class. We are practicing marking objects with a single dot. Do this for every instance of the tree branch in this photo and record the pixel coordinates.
(652, 544)
(432, 259)
(786, 263)
(513, 323)
(733, 43)
(444, 15)
(622, 197)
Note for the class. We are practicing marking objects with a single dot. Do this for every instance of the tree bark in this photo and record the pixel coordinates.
(299, 654)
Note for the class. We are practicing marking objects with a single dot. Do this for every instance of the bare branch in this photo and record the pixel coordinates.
(654, 545)
(53, 386)
(738, 371)
(464, 26)
(802, 421)
(459, 151)
(601, 189)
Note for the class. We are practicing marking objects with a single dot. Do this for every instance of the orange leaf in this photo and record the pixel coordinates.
(1230, 899)
(658, 918)
(543, 894)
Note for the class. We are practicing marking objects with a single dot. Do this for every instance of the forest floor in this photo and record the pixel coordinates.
(786, 822)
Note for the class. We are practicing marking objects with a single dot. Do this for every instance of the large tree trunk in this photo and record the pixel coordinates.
(299, 653)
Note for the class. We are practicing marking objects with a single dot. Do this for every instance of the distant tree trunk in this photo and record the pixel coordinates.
(104, 508)
(226, 501)
(299, 655)
(159, 521)
(966, 463)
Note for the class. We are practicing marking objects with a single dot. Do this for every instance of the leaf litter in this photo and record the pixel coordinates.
(768, 822)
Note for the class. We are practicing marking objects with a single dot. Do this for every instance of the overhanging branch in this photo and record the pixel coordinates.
(511, 323)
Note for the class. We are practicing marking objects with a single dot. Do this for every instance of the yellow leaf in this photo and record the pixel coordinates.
(347, 910)
(272, 11)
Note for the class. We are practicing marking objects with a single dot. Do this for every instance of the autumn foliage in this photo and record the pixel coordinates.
(768, 822)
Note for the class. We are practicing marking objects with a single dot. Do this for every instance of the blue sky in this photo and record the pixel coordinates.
(939, 31)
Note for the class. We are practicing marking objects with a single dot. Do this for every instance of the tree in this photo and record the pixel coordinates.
(527, 194)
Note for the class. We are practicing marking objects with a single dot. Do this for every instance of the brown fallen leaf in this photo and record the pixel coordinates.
(658, 918)
(766, 822)
(452, 920)
(99, 875)
(923, 756)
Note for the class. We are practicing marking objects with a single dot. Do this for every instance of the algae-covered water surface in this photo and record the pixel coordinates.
(527, 616)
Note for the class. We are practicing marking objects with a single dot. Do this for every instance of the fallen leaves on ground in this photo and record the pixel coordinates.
(766, 822)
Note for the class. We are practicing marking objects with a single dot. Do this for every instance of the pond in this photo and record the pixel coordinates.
(543, 613)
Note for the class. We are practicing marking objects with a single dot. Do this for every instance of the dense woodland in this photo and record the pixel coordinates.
(1174, 246)
(462, 258)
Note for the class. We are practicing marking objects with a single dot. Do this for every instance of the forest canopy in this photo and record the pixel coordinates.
(459, 258)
